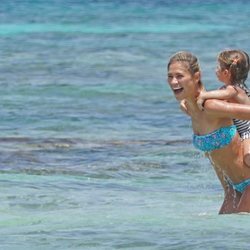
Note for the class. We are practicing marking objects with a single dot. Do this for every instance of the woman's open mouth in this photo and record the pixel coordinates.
(177, 90)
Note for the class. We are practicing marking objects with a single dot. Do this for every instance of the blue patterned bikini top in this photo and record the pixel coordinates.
(215, 140)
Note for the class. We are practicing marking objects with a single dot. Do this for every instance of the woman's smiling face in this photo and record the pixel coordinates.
(181, 81)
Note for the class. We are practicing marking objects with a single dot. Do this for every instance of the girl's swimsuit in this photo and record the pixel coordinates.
(243, 126)
(216, 140)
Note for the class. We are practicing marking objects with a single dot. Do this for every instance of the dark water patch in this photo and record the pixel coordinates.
(78, 142)
(97, 158)
(141, 171)
(29, 140)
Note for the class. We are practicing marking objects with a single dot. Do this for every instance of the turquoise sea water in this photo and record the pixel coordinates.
(94, 151)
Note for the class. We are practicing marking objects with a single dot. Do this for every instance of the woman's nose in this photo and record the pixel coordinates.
(174, 80)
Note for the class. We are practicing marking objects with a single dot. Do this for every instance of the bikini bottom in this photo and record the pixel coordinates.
(240, 187)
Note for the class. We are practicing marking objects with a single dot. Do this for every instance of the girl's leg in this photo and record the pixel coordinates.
(246, 144)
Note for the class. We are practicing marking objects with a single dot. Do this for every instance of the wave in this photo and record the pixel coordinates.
(14, 29)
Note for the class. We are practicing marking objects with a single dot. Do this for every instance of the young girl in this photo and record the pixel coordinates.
(232, 70)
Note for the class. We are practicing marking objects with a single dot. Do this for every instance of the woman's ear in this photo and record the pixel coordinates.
(197, 77)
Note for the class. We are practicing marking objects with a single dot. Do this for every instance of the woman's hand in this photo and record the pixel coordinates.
(183, 106)
(200, 101)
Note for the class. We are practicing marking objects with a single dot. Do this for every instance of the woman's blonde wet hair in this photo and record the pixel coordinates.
(237, 63)
(189, 60)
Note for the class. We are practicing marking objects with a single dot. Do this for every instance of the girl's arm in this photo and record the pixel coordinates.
(221, 94)
(226, 109)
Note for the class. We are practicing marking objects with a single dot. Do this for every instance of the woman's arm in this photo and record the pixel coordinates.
(225, 109)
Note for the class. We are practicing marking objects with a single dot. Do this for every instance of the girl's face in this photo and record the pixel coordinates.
(222, 74)
(182, 82)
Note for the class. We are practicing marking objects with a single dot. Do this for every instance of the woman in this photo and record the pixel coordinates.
(214, 131)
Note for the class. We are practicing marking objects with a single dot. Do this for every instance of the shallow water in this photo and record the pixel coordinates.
(94, 151)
